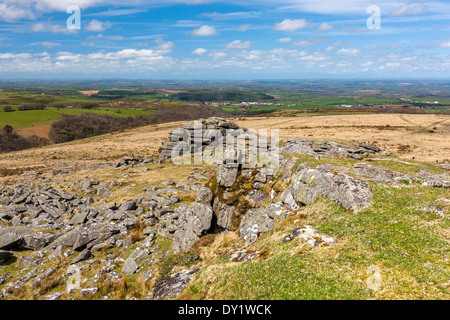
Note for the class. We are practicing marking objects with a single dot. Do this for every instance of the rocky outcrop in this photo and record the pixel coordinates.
(307, 184)
(218, 140)
(381, 175)
(330, 149)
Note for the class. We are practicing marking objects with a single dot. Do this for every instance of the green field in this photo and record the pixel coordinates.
(19, 119)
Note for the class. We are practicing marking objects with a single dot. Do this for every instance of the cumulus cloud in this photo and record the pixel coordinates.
(285, 40)
(289, 25)
(325, 27)
(348, 52)
(204, 31)
(12, 13)
(238, 44)
(199, 51)
(97, 26)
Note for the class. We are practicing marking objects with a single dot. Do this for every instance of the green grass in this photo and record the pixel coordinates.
(19, 119)
(408, 246)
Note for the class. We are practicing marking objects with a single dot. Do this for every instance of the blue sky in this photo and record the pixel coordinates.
(207, 39)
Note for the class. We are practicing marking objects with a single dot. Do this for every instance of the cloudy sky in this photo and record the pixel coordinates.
(209, 39)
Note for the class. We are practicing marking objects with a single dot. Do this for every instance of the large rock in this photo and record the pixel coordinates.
(260, 220)
(307, 184)
(224, 214)
(194, 221)
(226, 174)
(172, 286)
(37, 240)
(92, 232)
(9, 240)
(130, 266)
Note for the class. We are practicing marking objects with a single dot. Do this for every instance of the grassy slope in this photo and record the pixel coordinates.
(410, 247)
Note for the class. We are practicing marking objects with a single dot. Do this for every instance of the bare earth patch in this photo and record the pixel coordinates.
(40, 130)
(90, 92)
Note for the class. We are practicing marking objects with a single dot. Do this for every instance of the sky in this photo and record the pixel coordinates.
(235, 40)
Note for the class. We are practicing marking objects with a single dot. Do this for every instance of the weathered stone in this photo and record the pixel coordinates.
(53, 296)
(287, 166)
(9, 240)
(79, 218)
(380, 174)
(172, 286)
(307, 184)
(84, 255)
(88, 291)
(204, 195)
(226, 175)
(37, 240)
(224, 214)
(260, 220)
(128, 205)
(194, 221)
(130, 266)
(256, 197)
(310, 235)
(91, 232)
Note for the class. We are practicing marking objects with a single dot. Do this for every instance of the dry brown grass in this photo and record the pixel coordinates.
(392, 132)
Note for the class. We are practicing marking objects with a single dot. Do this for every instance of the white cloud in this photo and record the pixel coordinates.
(217, 54)
(199, 51)
(289, 25)
(285, 40)
(47, 44)
(204, 31)
(325, 27)
(232, 15)
(238, 44)
(334, 46)
(445, 44)
(302, 43)
(407, 9)
(52, 28)
(97, 26)
(12, 13)
(348, 52)
(244, 27)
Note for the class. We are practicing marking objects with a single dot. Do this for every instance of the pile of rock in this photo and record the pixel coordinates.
(331, 149)
(219, 141)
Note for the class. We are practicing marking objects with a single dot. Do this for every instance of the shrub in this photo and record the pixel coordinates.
(8, 109)
(31, 106)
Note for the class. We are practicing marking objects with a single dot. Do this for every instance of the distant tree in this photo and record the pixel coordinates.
(8, 109)
(7, 129)
(31, 106)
